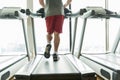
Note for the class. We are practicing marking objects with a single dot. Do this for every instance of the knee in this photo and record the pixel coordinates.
(56, 34)
(49, 35)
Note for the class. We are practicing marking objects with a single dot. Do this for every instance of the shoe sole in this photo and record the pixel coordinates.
(47, 52)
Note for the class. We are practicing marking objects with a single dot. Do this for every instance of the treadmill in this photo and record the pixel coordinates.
(68, 67)
(105, 65)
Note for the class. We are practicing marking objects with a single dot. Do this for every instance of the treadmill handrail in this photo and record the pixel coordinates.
(99, 12)
(67, 13)
(12, 13)
(89, 12)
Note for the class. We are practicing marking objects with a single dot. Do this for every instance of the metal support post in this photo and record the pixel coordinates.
(74, 35)
(82, 37)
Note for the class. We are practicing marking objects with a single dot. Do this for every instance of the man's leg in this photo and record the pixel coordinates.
(57, 30)
(49, 38)
(56, 41)
(48, 46)
(56, 46)
(49, 26)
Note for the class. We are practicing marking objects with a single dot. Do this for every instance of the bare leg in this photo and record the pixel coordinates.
(49, 38)
(48, 46)
(56, 41)
(56, 45)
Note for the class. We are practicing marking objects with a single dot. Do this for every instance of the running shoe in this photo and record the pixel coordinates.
(55, 57)
(47, 51)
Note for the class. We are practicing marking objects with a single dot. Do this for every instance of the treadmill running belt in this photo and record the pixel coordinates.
(47, 69)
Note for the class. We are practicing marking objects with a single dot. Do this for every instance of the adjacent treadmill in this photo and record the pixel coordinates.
(10, 64)
(106, 65)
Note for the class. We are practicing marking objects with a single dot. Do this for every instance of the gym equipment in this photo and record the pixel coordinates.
(67, 68)
(40, 12)
(105, 65)
(12, 13)
(9, 64)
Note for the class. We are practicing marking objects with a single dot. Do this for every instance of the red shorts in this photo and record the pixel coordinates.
(54, 23)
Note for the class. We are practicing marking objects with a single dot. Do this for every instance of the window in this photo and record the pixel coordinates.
(94, 38)
(12, 39)
(114, 23)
